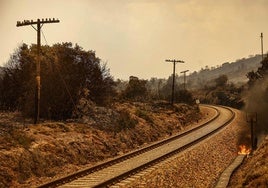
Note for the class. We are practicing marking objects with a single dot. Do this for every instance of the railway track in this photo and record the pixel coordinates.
(119, 168)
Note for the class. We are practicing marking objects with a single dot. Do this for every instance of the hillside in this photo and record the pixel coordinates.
(236, 72)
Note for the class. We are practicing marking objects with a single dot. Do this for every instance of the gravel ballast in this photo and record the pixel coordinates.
(198, 167)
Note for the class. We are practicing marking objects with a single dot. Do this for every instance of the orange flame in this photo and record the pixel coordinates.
(243, 150)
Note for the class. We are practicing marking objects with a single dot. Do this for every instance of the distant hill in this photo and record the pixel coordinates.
(236, 72)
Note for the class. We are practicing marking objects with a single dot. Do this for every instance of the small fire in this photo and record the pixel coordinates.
(243, 150)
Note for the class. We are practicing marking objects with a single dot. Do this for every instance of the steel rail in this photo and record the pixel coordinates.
(116, 160)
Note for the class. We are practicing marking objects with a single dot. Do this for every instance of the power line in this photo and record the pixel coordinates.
(44, 37)
(61, 77)
(66, 87)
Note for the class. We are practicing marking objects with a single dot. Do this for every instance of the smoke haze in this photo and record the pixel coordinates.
(257, 102)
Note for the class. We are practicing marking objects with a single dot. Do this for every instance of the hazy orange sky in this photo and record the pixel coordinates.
(135, 37)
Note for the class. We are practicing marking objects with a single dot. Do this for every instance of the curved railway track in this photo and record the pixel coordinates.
(119, 168)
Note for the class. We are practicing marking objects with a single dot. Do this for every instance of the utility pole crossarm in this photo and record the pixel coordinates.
(184, 71)
(174, 61)
(31, 22)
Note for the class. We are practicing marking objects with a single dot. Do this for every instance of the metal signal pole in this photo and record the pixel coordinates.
(37, 77)
(262, 46)
(252, 118)
(173, 81)
(184, 78)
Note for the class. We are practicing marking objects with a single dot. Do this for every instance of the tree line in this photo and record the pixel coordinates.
(71, 75)
(68, 74)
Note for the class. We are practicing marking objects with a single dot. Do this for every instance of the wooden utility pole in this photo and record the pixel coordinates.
(262, 46)
(184, 78)
(173, 81)
(38, 70)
